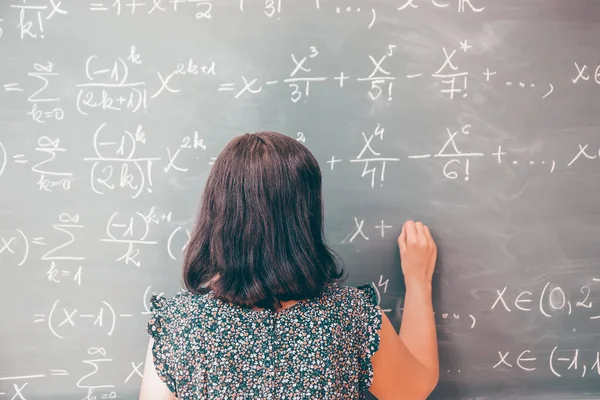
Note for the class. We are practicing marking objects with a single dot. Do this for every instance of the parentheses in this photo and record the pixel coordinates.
(79, 94)
(146, 223)
(114, 319)
(143, 183)
(50, 320)
(569, 303)
(88, 74)
(145, 297)
(132, 143)
(141, 100)
(169, 243)
(550, 362)
(109, 223)
(95, 139)
(542, 301)
(3, 158)
(26, 247)
(97, 191)
(374, 18)
(474, 321)
(126, 74)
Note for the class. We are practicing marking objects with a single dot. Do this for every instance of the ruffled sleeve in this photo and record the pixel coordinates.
(163, 347)
(369, 331)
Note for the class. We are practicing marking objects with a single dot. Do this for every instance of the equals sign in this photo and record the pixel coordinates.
(65, 273)
(58, 372)
(19, 159)
(212, 160)
(12, 87)
(38, 240)
(226, 87)
(39, 318)
(97, 7)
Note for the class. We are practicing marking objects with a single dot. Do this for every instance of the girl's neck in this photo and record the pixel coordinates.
(284, 305)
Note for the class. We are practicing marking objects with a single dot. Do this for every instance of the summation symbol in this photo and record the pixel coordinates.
(67, 227)
(44, 73)
(49, 179)
(89, 381)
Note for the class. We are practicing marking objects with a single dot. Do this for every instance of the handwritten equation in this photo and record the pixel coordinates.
(116, 84)
(551, 300)
(89, 375)
(116, 164)
(107, 140)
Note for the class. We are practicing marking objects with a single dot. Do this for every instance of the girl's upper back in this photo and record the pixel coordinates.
(205, 347)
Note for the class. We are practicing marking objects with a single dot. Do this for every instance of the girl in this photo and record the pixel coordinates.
(264, 315)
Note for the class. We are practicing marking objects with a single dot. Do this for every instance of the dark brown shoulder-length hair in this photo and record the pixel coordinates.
(258, 238)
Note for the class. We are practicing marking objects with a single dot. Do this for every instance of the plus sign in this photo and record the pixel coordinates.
(121, 99)
(383, 227)
(333, 161)
(499, 154)
(166, 217)
(488, 73)
(465, 46)
(341, 78)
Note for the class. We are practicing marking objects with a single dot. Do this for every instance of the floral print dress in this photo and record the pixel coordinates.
(206, 348)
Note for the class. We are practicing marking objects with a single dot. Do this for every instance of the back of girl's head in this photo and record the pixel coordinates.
(258, 238)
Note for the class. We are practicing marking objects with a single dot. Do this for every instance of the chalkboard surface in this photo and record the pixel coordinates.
(477, 117)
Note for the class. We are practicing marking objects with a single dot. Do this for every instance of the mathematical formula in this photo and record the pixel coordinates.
(128, 126)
